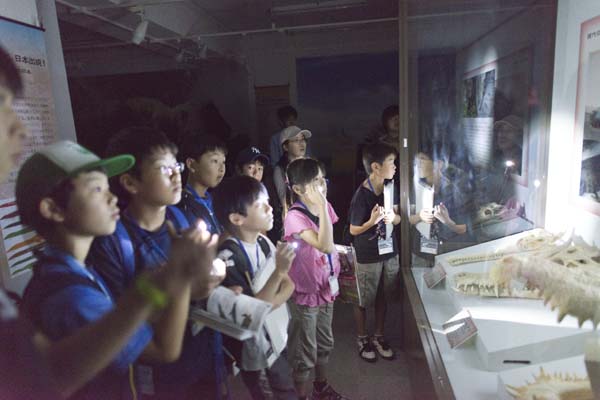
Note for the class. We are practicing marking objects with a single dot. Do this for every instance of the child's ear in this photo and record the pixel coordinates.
(299, 190)
(236, 219)
(190, 164)
(50, 210)
(284, 146)
(375, 166)
(129, 183)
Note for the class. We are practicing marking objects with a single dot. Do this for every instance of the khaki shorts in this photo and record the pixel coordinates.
(370, 275)
(310, 338)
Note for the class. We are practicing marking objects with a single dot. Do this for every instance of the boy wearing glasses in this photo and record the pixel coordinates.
(151, 189)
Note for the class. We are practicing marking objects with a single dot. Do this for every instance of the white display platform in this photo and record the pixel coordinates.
(513, 329)
(521, 376)
(508, 329)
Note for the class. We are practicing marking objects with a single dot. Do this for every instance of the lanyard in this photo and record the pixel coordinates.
(328, 255)
(207, 204)
(371, 185)
(248, 257)
(158, 253)
(74, 265)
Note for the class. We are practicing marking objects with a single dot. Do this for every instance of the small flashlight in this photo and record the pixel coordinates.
(510, 163)
(294, 245)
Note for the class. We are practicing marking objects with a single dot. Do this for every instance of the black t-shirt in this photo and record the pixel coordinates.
(365, 244)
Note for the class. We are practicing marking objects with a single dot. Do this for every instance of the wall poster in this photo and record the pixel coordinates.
(495, 112)
(586, 182)
(35, 108)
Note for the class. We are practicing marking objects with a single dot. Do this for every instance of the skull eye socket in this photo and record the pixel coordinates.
(582, 261)
(488, 212)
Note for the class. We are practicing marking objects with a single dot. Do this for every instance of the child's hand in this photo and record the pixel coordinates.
(315, 195)
(389, 216)
(426, 215)
(284, 256)
(377, 214)
(192, 256)
(442, 215)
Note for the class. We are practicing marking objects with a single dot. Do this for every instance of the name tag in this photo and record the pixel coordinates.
(429, 246)
(385, 246)
(334, 285)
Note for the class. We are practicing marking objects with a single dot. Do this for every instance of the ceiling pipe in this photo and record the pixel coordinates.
(92, 14)
(129, 4)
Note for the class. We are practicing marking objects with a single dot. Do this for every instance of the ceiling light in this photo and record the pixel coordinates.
(139, 34)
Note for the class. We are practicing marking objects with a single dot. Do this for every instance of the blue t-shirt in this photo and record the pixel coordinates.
(196, 207)
(151, 249)
(74, 306)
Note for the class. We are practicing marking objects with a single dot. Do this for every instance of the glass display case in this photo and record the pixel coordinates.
(501, 195)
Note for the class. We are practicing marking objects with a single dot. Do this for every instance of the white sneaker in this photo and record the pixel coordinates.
(383, 348)
(366, 350)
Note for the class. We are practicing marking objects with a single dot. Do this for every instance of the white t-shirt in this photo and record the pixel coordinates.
(260, 352)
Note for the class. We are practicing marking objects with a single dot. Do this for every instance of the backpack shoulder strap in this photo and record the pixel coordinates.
(304, 211)
(126, 246)
(40, 289)
(237, 267)
(264, 246)
(180, 219)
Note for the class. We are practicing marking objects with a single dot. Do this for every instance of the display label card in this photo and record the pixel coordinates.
(429, 246)
(459, 330)
(435, 275)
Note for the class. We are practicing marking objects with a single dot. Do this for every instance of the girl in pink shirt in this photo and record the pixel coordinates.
(309, 224)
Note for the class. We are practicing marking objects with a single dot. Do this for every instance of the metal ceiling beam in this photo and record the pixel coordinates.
(130, 4)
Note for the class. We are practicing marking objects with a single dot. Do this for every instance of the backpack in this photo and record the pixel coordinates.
(126, 245)
(238, 273)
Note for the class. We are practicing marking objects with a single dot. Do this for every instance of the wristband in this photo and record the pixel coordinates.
(151, 293)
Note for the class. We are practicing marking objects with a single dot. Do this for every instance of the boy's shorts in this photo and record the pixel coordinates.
(369, 277)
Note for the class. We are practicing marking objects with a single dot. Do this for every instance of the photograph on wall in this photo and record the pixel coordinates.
(478, 95)
(495, 110)
(587, 119)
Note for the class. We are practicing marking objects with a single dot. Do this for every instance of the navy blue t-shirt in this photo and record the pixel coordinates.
(151, 250)
(365, 244)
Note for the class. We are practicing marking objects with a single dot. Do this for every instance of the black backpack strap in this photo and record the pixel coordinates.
(237, 268)
(40, 288)
(264, 246)
(304, 211)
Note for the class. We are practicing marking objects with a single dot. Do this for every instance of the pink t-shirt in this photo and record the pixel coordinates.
(310, 270)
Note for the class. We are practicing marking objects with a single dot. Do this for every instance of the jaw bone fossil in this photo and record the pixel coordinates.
(553, 387)
(573, 290)
(538, 241)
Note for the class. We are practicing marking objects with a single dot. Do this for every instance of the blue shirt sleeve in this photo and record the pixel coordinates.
(107, 260)
(76, 306)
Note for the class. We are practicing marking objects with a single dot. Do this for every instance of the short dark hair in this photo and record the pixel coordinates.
(388, 113)
(9, 73)
(376, 152)
(235, 195)
(195, 145)
(285, 112)
(140, 142)
(433, 149)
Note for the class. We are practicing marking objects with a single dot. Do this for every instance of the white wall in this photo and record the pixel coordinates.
(561, 212)
(520, 32)
(65, 125)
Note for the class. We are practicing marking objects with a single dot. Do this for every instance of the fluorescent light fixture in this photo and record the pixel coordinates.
(297, 7)
(140, 31)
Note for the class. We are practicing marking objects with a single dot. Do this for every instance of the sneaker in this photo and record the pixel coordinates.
(327, 394)
(383, 348)
(366, 351)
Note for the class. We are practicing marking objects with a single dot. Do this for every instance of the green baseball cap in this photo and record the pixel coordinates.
(50, 166)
